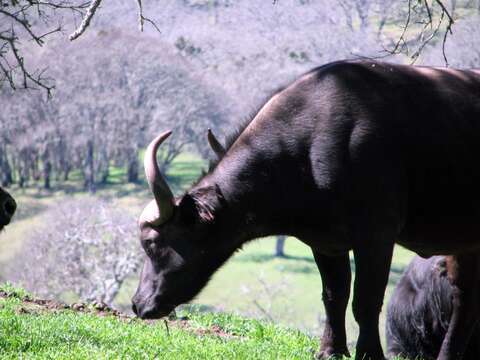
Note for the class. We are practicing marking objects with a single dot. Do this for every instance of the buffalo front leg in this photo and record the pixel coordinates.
(372, 265)
(336, 274)
(463, 274)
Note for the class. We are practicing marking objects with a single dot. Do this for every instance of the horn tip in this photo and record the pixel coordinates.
(166, 133)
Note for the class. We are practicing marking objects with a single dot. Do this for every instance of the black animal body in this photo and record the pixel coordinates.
(354, 155)
(7, 208)
(419, 311)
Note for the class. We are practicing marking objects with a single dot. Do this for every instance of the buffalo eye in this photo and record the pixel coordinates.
(149, 247)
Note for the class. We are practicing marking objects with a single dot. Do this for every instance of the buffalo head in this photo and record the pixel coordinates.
(177, 236)
(7, 208)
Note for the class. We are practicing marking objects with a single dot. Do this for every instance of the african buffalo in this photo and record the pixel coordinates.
(7, 208)
(351, 156)
(419, 311)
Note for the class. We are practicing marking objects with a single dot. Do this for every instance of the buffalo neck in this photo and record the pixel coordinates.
(265, 193)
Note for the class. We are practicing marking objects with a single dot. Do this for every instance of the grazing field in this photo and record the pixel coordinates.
(31, 328)
(286, 291)
(34, 330)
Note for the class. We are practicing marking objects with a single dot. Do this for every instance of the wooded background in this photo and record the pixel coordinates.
(210, 65)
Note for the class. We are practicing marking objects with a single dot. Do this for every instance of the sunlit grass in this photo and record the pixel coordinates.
(26, 332)
(31, 331)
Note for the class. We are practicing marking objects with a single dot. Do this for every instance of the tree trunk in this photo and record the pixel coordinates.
(66, 171)
(34, 166)
(132, 167)
(89, 169)
(279, 248)
(47, 170)
(21, 179)
(103, 165)
(105, 175)
(6, 175)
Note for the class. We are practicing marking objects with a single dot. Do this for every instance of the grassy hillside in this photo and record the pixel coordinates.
(36, 329)
(31, 328)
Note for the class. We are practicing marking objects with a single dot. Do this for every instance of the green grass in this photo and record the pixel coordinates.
(29, 330)
(36, 333)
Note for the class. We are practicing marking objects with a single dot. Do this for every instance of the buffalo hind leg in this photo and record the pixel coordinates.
(336, 274)
(372, 265)
(463, 273)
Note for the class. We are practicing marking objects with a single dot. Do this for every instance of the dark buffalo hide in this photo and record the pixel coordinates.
(7, 208)
(419, 312)
(353, 155)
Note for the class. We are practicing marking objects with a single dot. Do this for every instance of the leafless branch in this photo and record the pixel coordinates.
(432, 21)
(140, 14)
(16, 26)
(142, 19)
(16, 19)
(92, 8)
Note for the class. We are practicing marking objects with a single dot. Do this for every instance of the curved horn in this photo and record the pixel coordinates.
(217, 148)
(161, 191)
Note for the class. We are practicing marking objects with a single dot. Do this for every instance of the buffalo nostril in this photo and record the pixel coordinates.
(134, 309)
(10, 206)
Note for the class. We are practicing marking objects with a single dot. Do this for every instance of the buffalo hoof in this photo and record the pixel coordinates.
(330, 353)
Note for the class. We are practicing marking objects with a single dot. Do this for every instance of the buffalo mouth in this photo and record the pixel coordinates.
(153, 313)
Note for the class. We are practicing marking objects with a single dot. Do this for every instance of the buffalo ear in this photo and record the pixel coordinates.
(187, 209)
(200, 205)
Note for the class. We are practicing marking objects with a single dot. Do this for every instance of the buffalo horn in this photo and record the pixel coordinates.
(164, 199)
(217, 148)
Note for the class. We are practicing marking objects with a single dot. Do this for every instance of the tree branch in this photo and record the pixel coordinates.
(86, 20)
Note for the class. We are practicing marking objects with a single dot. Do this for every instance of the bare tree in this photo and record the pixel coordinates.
(463, 49)
(429, 21)
(105, 112)
(422, 22)
(23, 21)
(88, 247)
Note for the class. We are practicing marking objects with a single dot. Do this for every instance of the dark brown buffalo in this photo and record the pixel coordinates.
(7, 208)
(351, 156)
(419, 311)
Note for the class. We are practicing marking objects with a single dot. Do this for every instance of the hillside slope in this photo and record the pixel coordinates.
(41, 329)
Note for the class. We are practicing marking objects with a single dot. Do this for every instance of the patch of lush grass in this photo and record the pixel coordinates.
(67, 334)
(31, 330)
